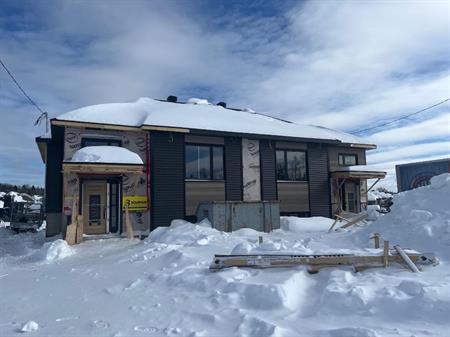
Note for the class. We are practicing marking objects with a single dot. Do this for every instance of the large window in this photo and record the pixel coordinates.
(291, 165)
(348, 159)
(204, 162)
(100, 142)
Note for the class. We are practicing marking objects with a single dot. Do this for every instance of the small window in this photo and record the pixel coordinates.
(291, 165)
(100, 142)
(348, 159)
(204, 162)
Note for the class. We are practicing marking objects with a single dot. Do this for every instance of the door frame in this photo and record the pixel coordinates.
(108, 180)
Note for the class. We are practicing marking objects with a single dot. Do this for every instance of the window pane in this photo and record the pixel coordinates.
(217, 162)
(341, 160)
(101, 142)
(296, 165)
(350, 160)
(197, 161)
(281, 168)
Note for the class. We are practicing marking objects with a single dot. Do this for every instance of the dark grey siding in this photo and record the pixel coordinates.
(319, 185)
(53, 181)
(268, 170)
(167, 177)
(233, 168)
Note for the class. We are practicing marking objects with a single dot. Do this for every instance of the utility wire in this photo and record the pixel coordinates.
(400, 118)
(20, 88)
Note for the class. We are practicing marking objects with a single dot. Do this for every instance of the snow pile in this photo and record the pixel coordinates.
(181, 232)
(54, 251)
(305, 225)
(29, 326)
(106, 154)
(198, 101)
(420, 219)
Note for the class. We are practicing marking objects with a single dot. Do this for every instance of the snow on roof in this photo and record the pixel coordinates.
(358, 168)
(2, 203)
(198, 114)
(106, 154)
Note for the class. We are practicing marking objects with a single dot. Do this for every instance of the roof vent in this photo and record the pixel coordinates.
(172, 99)
(222, 104)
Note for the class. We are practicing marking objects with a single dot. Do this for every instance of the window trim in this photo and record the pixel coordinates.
(108, 140)
(211, 164)
(285, 166)
(347, 154)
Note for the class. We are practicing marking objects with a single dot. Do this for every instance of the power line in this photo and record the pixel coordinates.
(20, 88)
(400, 118)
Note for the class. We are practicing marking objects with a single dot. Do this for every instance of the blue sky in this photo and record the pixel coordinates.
(346, 65)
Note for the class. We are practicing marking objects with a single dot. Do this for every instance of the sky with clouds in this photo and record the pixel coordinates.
(341, 64)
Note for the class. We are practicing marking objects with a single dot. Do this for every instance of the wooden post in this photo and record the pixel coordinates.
(130, 233)
(260, 239)
(71, 231)
(376, 240)
(80, 229)
(386, 254)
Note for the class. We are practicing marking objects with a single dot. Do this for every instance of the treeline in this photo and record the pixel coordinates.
(29, 189)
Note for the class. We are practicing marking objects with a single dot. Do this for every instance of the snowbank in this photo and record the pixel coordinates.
(305, 225)
(106, 154)
(30, 326)
(54, 251)
(420, 219)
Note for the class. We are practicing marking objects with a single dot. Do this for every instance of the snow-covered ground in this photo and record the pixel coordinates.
(162, 286)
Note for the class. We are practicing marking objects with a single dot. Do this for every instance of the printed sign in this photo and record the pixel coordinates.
(135, 202)
(251, 170)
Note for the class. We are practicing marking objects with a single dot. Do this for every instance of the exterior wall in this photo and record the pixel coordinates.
(413, 175)
(167, 177)
(334, 151)
(319, 181)
(202, 191)
(54, 182)
(233, 168)
(268, 170)
(132, 184)
(333, 157)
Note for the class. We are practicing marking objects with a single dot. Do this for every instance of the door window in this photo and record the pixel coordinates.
(94, 208)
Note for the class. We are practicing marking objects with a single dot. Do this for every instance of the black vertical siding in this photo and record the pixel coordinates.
(233, 168)
(319, 184)
(53, 171)
(268, 170)
(167, 177)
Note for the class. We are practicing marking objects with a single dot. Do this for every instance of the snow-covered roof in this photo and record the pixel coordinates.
(105, 154)
(199, 114)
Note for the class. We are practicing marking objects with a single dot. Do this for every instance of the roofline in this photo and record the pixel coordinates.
(105, 126)
(425, 162)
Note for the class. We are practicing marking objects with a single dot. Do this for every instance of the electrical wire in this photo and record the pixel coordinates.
(20, 88)
(400, 118)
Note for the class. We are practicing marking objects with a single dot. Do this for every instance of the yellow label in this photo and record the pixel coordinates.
(135, 202)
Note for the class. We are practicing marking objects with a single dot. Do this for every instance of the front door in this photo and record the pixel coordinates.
(94, 207)
(351, 197)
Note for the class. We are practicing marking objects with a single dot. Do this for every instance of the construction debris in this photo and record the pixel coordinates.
(316, 262)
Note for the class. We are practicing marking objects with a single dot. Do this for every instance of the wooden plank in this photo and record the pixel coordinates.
(95, 125)
(334, 224)
(406, 258)
(355, 220)
(130, 232)
(385, 253)
(80, 229)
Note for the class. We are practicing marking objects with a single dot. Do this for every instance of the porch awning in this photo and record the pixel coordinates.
(104, 159)
(358, 171)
